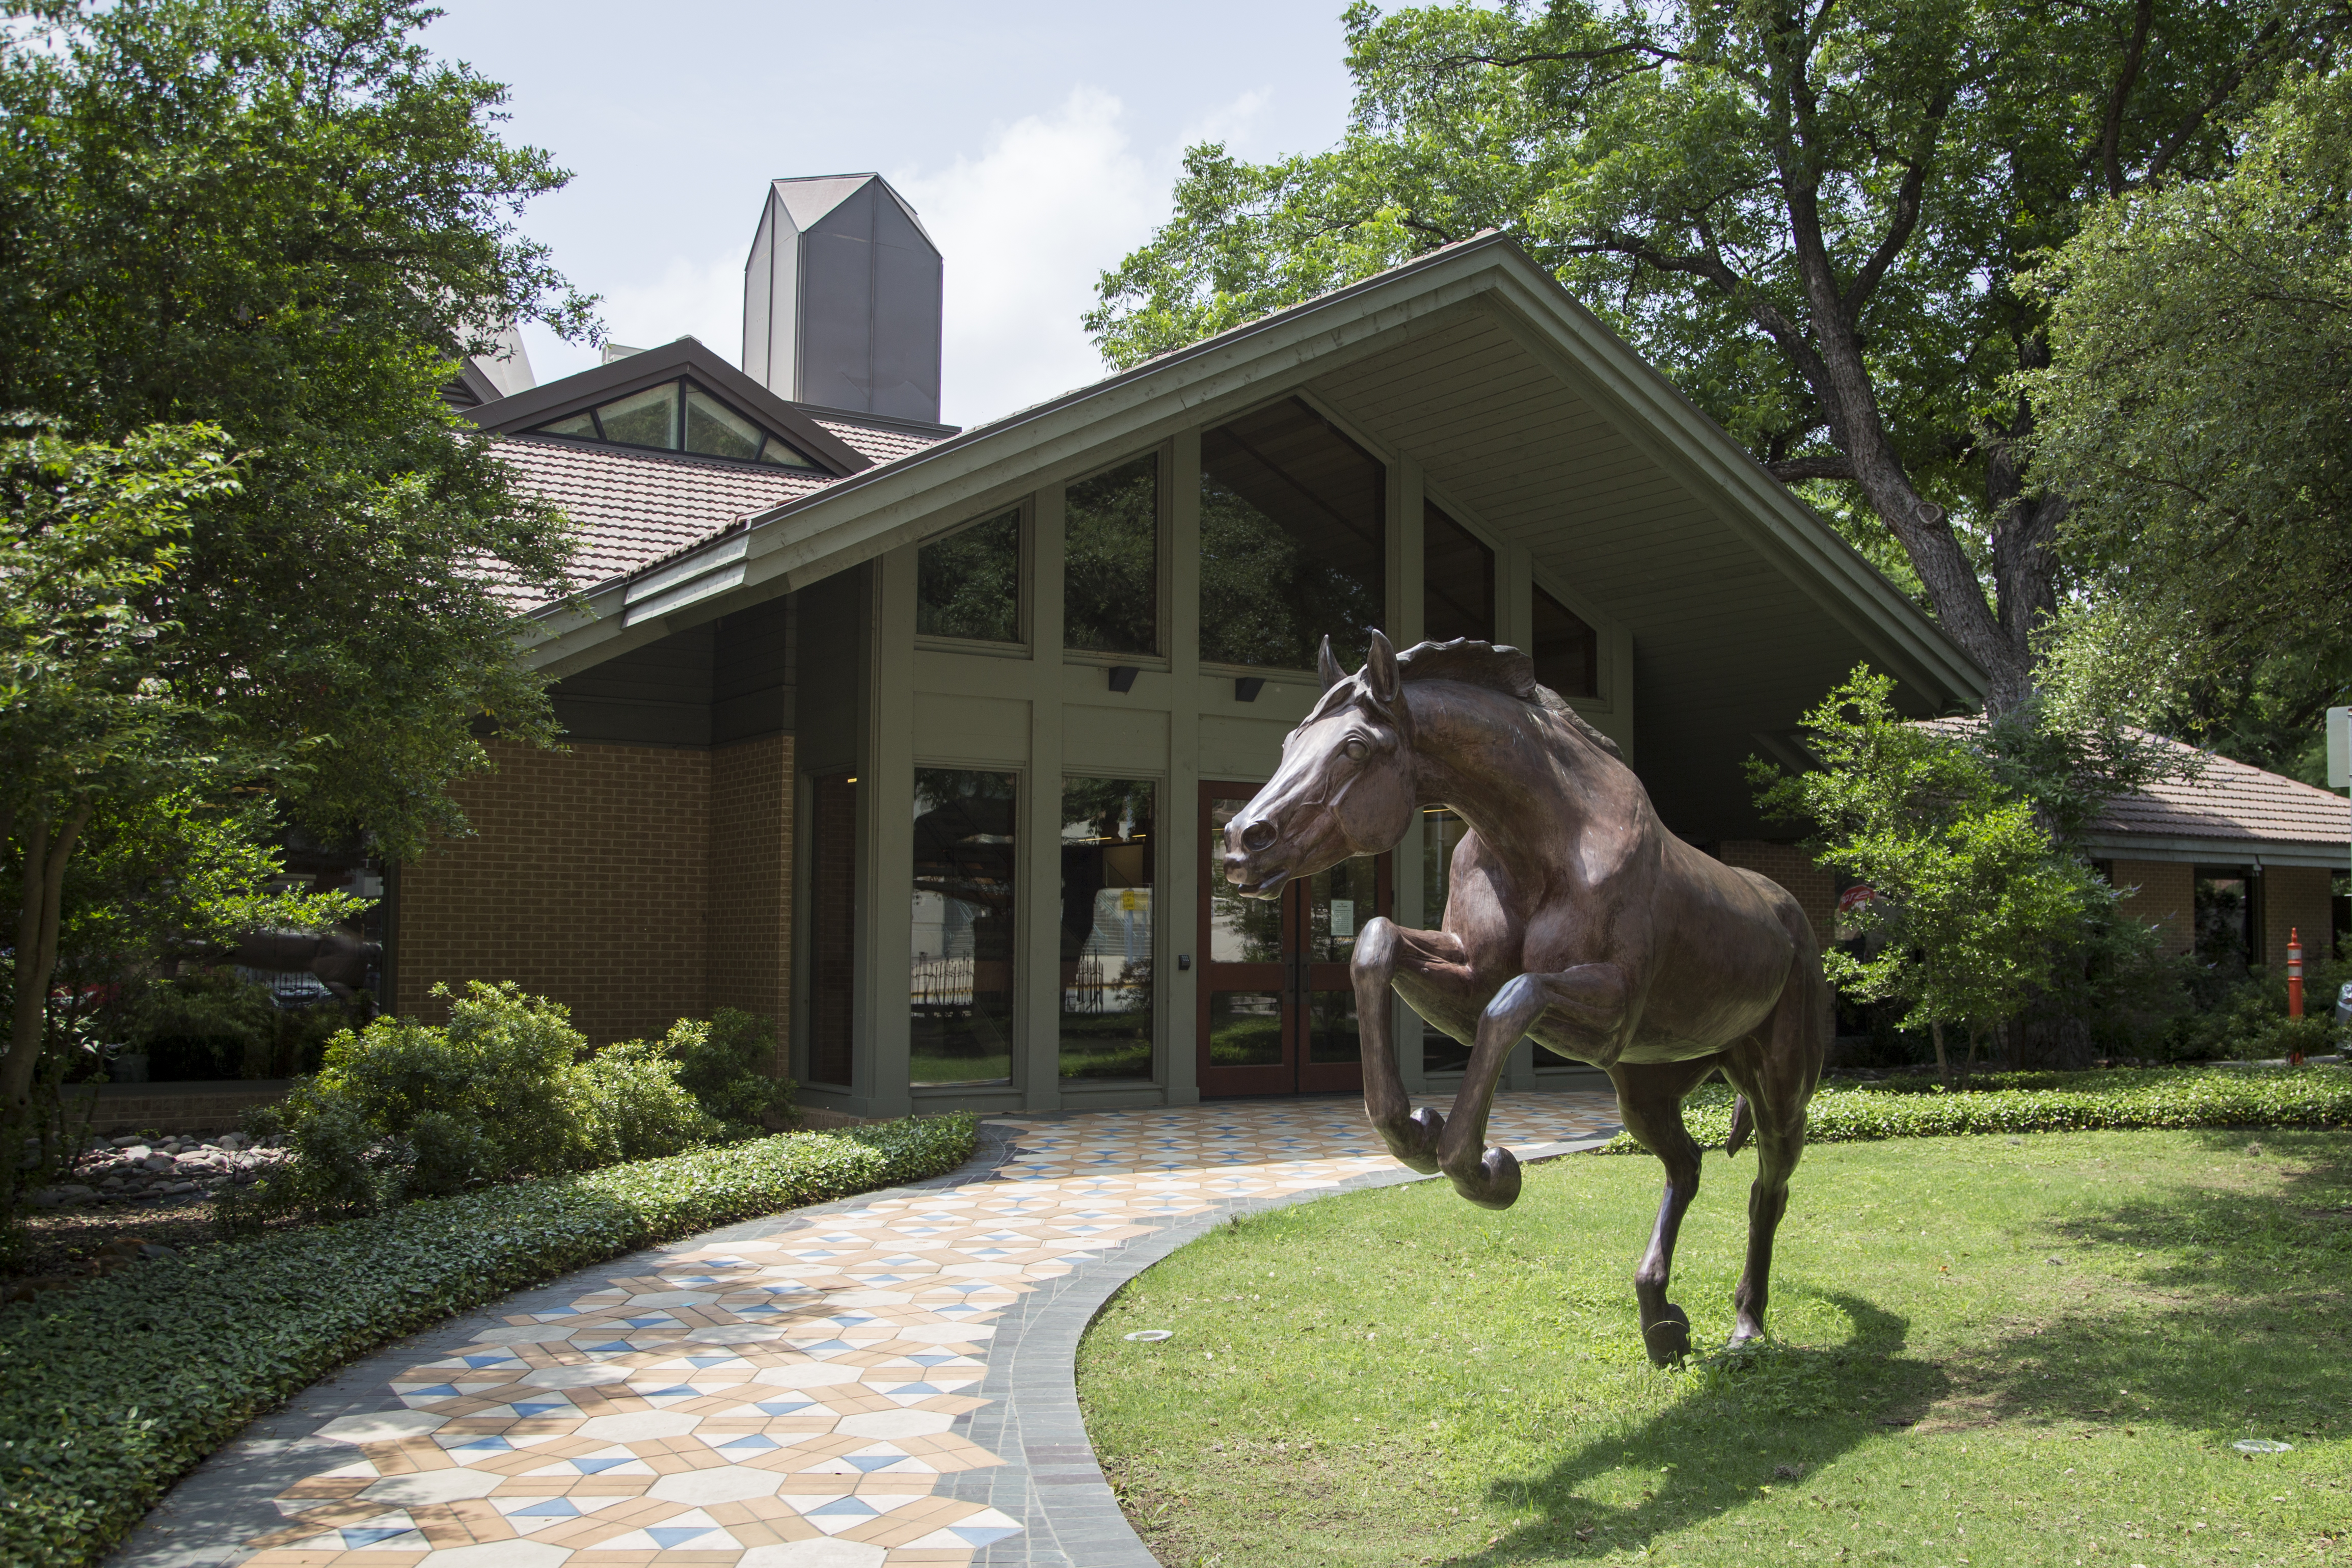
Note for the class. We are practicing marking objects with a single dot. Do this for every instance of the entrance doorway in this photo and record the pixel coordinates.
(1277, 1009)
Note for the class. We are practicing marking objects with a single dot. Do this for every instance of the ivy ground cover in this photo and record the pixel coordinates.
(110, 1392)
(2016, 1348)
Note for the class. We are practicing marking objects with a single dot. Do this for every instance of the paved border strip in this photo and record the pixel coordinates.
(1051, 1480)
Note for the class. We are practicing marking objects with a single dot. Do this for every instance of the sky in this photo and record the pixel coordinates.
(1040, 143)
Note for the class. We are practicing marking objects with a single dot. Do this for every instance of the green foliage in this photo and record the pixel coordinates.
(2317, 1097)
(118, 1388)
(728, 1065)
(1975, 905)
(641, 1108)
(2197, 413)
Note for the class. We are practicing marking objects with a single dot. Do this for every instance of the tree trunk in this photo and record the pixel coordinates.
(1943, 1066)
(47, 854)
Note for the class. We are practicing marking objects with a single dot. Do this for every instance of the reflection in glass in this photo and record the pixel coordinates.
(1110, 560)
(961, 980)
(1331, 1034)
(648, 418)
(1292, 529)
(1457, 581)
(1568, 653)
(968, 583)
(1441, 833)
(1241, 931)
(711, 426)
(1245, 1028)
(1339, 903)
(1108, 844)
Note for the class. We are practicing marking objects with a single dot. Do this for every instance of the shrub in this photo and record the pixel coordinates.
(725, 1065)
(640, 1109)
(2049, 1102)
(117, 1389)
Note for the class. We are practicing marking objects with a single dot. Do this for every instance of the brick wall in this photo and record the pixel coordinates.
(2166, 899)
(1814, 888)
(751, 909)
(2295, 895)
(587, 878)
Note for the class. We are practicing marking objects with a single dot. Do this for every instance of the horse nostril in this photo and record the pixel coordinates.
(1258, 836)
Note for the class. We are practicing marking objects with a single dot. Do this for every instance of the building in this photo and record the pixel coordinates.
(916, 739)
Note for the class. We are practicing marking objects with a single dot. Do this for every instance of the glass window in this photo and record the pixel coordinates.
(1568, 653)
(968, 583)
(832, 925)
(960, 975)
(1107, 861)
(1292, 539)
(648, 418)
(678, 412)
(711, 426)
(1457, 581)
(1110, 560)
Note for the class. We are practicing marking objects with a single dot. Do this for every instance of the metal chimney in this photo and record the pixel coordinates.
(841, 299)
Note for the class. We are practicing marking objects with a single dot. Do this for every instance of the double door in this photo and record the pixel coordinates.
(1277, 1010)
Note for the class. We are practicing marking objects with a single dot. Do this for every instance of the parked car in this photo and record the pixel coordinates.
(2344, 1004)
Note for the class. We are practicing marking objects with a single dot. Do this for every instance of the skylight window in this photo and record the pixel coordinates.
(678, 417)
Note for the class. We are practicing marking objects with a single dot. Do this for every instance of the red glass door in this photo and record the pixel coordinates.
(1277, 1012)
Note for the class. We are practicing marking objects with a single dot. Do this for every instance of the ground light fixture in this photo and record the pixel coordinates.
(1153, 1336)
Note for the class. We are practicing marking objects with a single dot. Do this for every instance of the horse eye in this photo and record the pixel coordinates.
(1356, 749)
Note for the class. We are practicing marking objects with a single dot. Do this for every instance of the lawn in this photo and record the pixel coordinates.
(1994, 1350)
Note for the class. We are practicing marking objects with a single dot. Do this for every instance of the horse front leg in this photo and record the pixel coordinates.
(1382, 949)
(1591, 998)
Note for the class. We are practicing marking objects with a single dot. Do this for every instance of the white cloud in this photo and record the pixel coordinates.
(1026, 228)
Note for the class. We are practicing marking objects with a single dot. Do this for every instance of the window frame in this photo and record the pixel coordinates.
(1162, 453)
(1025, 572)
(678, 384)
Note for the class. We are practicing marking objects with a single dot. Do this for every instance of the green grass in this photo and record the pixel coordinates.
(1398, 1377)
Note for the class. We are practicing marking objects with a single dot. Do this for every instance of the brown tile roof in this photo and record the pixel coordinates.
(2228, 800)
(633, 508)
(2235, 800)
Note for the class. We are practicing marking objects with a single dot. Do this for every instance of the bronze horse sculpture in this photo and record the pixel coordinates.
(1571, 914)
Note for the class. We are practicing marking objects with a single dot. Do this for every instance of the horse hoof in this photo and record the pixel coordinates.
(1414, 1143)
(1495, 1183)
(1668, 1339)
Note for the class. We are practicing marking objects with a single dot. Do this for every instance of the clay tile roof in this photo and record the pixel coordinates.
(2233, 800)
(2228, 800)
(633, 508)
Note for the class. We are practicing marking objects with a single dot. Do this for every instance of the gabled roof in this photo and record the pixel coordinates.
(527, 411)
(2229, 811)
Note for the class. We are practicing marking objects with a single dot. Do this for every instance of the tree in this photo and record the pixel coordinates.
(282, 219)
(1811, 216)
(1975, 903)
(2198, 411)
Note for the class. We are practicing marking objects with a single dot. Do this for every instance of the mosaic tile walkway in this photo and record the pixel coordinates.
(874, 1383)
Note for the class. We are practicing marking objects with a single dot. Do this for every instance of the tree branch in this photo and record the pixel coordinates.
(2111, 136)
(1796, 469)
(2215, 99)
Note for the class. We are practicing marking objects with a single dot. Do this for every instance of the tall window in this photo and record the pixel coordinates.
(1110, 560)
(968, 583)
(1107, 848)
(1457, 581)
(960, 973)
(1293, 546)
(832, 924)
(1568, 653)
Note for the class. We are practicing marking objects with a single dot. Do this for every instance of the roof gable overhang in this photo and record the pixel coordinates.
(883, 507)
(527, 411)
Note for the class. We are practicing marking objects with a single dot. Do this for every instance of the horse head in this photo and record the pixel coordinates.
(1344, 786)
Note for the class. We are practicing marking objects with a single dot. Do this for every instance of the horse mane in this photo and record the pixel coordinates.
(1497, 667)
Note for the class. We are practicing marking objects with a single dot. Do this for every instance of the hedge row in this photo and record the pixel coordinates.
(110, 1393)
(2075, 1103)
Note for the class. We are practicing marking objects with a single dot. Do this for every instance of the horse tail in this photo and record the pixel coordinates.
(1743, 1123)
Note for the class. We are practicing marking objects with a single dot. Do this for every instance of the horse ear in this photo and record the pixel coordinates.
(1332, 673)
(1382, 679)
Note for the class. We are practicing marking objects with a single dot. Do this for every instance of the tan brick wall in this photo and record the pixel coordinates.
(587, 878)
(2295, 895)
(2166, 897)
(750, 940)
(1814, 888)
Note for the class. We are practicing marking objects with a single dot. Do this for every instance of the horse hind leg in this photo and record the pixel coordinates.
(1776, 1077)
(1650, 1098)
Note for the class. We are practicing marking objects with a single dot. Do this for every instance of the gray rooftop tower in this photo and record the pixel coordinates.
(841, 299)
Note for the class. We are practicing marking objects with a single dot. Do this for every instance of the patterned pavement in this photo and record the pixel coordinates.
(797, 1393)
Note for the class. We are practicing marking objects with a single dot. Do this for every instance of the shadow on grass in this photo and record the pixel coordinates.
(1753, 1418)
(2211, 1309)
